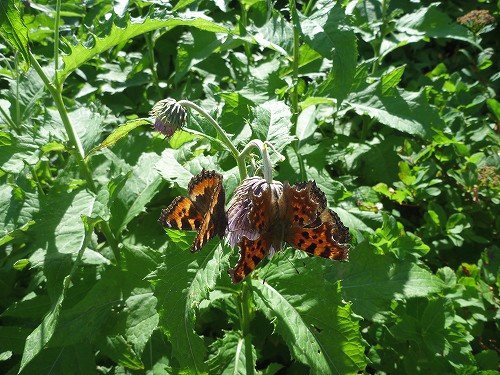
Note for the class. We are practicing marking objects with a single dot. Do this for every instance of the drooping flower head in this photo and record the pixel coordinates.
(169, 116)
(239, 224)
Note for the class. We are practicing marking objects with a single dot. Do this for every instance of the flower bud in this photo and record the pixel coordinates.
(169, 116)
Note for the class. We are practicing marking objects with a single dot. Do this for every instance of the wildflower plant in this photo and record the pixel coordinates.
(383, 115)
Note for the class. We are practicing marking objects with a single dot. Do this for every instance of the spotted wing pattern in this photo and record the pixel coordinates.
(203, 211)
(310, 226)
(251, 253)
(261, 216)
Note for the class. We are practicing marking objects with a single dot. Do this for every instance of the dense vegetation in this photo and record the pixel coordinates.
(389, 106)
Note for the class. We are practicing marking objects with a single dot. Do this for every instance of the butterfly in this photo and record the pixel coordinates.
(299, 217)
(202, 210)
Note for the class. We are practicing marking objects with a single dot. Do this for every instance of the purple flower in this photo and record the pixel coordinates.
(242, 204)
(169, 116)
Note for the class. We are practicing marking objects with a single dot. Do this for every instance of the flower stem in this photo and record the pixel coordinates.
(246, 312)
(222, 134)
(267, 166)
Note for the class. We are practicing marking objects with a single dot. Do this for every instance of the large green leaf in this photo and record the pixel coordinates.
(327, 31)
(424, 23)
(371, 281)
(181, 283)
(122, 30)
(408, 112)
(59, 234)
(12, 27)
(308, 312)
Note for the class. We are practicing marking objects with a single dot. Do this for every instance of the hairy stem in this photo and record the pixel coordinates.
(222, 134)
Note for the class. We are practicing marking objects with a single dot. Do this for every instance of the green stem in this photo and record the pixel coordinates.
(243, 31)
(308, 8)
(246, 313)
(383, 32)
(8, 120)
(56, 41)
(76, 144)
(106, 230)
(267, 166)
(151, 53)
(295, 63)
(222, 134)
(70, 131)
(18, 108)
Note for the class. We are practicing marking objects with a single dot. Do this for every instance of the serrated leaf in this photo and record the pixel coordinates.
(308, 312)
(181, 283)
(13, 29)
(328, 32)
(123, 29)
(229, 355)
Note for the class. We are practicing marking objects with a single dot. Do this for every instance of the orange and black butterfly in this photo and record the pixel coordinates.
(202, 211)
(298, 216)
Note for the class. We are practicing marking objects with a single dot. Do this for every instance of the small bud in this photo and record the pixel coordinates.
(169, 116)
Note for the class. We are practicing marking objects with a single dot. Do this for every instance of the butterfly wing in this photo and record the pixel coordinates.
(310, 226)
(207, 194)
(203, 211)
(260, 218)
(251, 253)
(181, 214)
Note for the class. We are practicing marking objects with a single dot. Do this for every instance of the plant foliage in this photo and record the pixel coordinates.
(389, 106)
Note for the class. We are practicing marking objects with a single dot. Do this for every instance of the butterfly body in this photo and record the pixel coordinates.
(202, 211)
(298, 217)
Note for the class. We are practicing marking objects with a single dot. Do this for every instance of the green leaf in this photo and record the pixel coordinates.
(229, 355)
(43, 334)
(13, 29)
(307, 311)
(391, 79)
(17, 208)
(371, 281)
(181, 283)
(122, 30)
(132, 196)
(426, 22)
(306, 123)
(327, 31)
(171, 170)
(59, 234)
(408, 112)
(272, 123)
